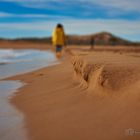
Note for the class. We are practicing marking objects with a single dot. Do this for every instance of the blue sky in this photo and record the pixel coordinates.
(37, 18)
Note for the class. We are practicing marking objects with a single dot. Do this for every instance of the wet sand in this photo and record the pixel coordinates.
(11, 120)
(95, 95)
(16, 62)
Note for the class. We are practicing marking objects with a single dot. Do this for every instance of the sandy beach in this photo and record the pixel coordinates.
(69, 70)
(91, 95)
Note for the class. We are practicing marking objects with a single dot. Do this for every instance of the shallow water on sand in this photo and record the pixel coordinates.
(11, 120)
(13, 62)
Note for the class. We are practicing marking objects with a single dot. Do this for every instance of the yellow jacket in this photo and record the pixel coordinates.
(58, 37)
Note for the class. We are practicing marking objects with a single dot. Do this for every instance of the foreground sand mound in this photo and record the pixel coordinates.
(89, 75)
(100, 76)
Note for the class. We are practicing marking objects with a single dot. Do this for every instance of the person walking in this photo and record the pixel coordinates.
(59, 39)
(92, 43)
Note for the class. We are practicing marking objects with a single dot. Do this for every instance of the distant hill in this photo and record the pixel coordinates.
(103, 38)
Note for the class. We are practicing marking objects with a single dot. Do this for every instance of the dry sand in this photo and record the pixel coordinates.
(90, 96)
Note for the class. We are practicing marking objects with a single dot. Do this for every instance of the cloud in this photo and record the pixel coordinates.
(127, 5)
(119, 27)
(123, 5)
(45, 16)
(78, 24)
(86, 8)
(3, 14)
(34, 3)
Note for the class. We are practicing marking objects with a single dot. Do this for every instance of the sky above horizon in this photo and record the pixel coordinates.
(38, 18)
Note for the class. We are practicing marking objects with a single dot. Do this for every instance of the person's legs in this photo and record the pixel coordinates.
(58, 51)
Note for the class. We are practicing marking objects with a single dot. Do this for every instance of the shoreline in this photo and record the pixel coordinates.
(19, 117)
(25, 78)
(58, 107)
(10, 118)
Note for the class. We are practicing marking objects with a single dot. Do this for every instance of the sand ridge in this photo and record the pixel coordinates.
(95, 75)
